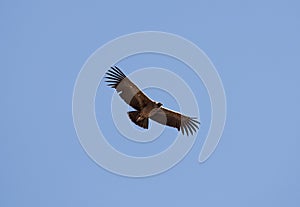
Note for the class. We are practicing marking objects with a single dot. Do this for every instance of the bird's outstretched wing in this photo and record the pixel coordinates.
(174, 119)
(128, 91)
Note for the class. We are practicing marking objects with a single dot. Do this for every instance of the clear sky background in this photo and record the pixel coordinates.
(255, 48)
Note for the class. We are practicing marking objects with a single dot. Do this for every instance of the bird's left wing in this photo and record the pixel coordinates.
(174, 119)
(128, 91)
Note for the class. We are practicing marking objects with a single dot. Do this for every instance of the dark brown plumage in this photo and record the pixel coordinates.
(145, 107)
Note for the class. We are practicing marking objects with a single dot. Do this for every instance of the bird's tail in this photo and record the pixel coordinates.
(134, 116)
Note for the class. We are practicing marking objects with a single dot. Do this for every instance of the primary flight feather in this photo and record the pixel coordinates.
(145, 107)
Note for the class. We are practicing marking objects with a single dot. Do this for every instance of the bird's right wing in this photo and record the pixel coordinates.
(128, 91)
(174, 119)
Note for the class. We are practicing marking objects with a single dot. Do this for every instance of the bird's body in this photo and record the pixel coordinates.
(141, 117)
(149, 110)
(145, 107)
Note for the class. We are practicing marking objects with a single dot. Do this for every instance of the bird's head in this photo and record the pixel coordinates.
(159, 104)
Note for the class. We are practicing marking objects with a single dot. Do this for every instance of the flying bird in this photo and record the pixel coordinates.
(145, 107)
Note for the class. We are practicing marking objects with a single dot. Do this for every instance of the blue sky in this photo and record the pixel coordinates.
(254, 45)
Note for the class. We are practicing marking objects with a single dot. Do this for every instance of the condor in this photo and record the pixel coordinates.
(145, 107)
